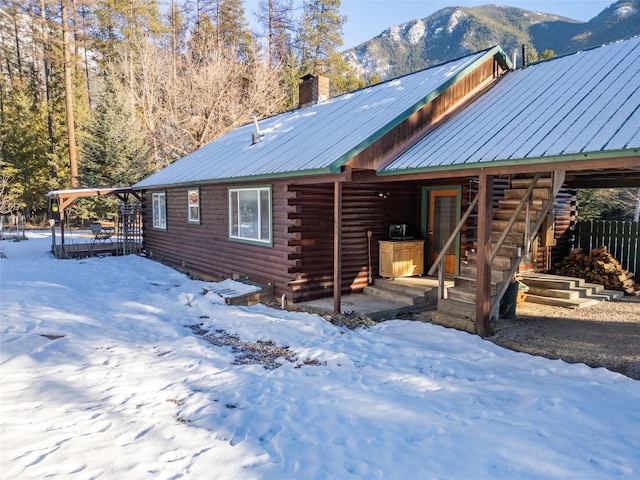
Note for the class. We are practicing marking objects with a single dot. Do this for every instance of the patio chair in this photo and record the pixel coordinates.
(101, 234)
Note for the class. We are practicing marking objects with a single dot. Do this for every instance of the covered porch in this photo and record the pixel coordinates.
(509, 223)
(120, 237)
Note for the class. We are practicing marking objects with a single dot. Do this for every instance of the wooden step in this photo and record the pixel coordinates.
(505, 214)
(469, 283)
(497, 276)
(543, 182)
(463, 294)
(517, 227)
(514, 238)
(512, 204)
(508, 249)
(452, 321)
(457, 308)
(500, 261)
(455, 314)
(537, 193)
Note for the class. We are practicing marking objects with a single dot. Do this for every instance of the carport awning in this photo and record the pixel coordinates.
(64, 198)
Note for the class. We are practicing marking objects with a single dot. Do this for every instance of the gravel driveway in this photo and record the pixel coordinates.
(604, 335)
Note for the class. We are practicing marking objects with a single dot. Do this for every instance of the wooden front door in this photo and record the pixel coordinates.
(442, 218)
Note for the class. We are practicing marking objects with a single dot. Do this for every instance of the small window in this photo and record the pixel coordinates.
(159, 201)
(250, 214)
(193, 198)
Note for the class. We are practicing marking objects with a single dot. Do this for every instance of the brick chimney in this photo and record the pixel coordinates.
(313, 89)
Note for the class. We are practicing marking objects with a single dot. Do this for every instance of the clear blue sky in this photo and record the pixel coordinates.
(369, 18)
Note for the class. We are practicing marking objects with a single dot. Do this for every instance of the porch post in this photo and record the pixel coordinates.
(337, 246)
(483, 280)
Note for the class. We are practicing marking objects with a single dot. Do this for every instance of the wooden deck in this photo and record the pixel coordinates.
(83, 250)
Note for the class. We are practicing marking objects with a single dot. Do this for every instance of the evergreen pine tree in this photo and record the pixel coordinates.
(24, 149)
(113, 149)
(202, 36)
(233, 32)
(319, 37)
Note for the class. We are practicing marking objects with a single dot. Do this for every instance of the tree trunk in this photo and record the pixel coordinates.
(68, 93)
(17, 38)
(83, 36)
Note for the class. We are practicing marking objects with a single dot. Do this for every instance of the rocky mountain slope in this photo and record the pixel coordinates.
(457, 31)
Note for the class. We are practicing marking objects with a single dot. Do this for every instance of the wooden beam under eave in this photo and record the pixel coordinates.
(337, 246)
(483, 280)
(582, 165)
(321, 178)
(627, 180)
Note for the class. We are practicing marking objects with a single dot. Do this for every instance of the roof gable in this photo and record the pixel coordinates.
(584, 104)
(317, 139)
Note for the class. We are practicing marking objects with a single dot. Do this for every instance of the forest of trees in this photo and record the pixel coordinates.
(100, 93)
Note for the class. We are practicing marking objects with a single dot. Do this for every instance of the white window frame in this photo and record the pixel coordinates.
(254, 228)
(159, 210)
(193, 207)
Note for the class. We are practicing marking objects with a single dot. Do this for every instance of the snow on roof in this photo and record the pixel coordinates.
(317, 139)
(584, 103)
(87, 192)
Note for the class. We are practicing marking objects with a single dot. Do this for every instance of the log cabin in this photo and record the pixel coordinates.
(466, 169)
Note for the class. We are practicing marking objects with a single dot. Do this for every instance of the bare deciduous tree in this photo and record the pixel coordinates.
(211, 95)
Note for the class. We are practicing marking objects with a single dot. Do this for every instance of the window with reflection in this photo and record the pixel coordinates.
(250, 214)
(193, 199)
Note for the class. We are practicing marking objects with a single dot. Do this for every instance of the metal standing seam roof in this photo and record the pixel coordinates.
(585, 104)
(316, 139)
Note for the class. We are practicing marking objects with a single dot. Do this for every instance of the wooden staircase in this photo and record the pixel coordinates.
(516, 222)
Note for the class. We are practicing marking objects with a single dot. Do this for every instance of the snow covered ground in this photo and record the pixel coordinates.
(102, 377)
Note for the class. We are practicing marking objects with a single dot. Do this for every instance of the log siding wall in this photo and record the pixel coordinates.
(205, 249)
(300, 261)
(363, 210)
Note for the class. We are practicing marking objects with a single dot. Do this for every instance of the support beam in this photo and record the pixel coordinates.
(483, 280)
(337, 246)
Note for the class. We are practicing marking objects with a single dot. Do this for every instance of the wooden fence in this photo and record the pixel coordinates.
(622, 240)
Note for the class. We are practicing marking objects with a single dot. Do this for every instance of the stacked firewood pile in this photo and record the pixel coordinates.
(598, 266)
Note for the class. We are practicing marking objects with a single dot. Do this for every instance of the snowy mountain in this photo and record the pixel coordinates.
(457, 31)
